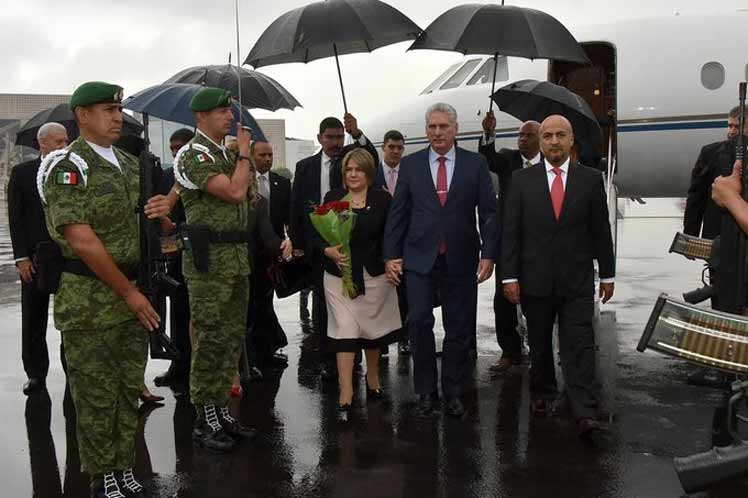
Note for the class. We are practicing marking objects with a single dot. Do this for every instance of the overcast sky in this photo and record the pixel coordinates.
(50, 46)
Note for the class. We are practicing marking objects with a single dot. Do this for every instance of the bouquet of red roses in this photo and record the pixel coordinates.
(334, 221)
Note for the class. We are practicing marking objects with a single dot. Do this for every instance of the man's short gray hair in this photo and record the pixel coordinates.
(444, 109)
(46, 128)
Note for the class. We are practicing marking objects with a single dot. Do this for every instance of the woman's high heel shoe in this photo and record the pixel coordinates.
(374, 394)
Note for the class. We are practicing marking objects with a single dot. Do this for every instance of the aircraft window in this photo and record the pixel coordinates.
(485, 73)
(434, 84)
(462, 73)
(712, 75)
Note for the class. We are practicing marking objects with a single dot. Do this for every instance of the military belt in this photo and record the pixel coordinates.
(78, 267)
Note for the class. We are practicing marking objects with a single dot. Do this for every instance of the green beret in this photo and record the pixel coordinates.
(95, 92)
(210, 98)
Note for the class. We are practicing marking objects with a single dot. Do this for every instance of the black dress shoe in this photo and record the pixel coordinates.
(328, 373)
(279, 359)
(455, 408)
(427, 404)
(586, 427)
(403, 348)
(33, 385)
(172, 375)
(344, 413)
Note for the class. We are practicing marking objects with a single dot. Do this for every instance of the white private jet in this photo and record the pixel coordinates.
(668, 81)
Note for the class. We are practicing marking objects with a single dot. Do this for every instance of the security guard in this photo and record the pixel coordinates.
(90, 196)
(215, 264)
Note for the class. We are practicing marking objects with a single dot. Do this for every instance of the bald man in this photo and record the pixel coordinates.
(27, 229)
(504, 163)
(555, 225)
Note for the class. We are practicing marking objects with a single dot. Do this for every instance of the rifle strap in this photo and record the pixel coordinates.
(230, 237)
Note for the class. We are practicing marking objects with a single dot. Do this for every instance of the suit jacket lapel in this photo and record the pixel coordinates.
(316, 177)
(457, 175)
(428, 182)
(570, 191)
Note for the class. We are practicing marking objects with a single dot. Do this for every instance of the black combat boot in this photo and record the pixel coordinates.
(129, 486)
(209, 433)
(233, 427)
(106, 487)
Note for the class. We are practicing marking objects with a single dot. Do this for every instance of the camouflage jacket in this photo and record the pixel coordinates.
(197, 162)
(77, 186)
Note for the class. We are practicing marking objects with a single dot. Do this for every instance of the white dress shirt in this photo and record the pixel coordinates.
(564, 177)
(450, 164)
(535, 160)
(387, 171)
(106, 153)
(324, 176)
(263, 185)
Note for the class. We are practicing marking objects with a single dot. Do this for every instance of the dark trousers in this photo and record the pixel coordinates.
(576, 341)
(319, 316)
(456, 301)
(179, 322)
(402, 301)
(34, 318)
(505, 316)
(264, 333)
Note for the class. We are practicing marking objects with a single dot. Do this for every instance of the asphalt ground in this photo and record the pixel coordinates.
(496, 450)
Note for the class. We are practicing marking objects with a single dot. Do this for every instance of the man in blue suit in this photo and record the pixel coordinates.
(431, 239)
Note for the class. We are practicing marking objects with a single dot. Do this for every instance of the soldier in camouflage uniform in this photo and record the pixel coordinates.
(90, 194)
(214, 183)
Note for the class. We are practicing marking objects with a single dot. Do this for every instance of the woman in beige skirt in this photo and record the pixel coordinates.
(371, 319)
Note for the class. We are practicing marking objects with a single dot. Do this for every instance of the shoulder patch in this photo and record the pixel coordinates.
(65, 178)
(178, 175)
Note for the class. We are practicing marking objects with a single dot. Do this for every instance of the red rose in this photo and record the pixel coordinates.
(322, 210)
(344, 205)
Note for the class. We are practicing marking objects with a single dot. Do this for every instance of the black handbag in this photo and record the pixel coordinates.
(289, 277)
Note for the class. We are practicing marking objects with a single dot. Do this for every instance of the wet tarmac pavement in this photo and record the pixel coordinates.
(496, 450)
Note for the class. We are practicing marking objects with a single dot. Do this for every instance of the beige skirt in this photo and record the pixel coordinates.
(370, 320)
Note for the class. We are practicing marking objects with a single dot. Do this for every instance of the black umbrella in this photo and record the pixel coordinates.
(331, 28)
(489, 29)
(258, 90)
(62, 114)
(171, 102)
(536, 100)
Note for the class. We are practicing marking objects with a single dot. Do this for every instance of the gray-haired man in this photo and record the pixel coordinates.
(27, 229)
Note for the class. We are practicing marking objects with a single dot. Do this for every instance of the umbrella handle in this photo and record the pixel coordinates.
(340, 77)
(238, 66)
(493, 82)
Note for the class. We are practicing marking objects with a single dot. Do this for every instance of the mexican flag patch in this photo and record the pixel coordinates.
(201, 158)
(66, 178)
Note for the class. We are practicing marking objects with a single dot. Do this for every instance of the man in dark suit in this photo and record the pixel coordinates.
(504, 163)
(178, 374)
(265, 335)
(702, 216)
(314, 177)
(393, 146)
(431, 236)
(556, 223)
(27, 229)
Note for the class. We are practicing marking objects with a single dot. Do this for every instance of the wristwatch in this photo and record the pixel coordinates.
(241, 158)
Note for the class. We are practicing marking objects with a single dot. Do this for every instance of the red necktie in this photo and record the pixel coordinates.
(557, 192)
(441, 191)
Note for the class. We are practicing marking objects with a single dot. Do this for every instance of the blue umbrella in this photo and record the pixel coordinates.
(171, 102)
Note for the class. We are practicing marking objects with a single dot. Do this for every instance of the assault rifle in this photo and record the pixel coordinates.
(153, 280)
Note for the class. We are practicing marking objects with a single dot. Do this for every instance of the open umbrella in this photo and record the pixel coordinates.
(258, 90)
(331, 28)
(489, 29)
(171, 102)
(536, 100)
(62, 114)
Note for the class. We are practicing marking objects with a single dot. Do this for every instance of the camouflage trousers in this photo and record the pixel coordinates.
(105, 372)
(219, 316)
